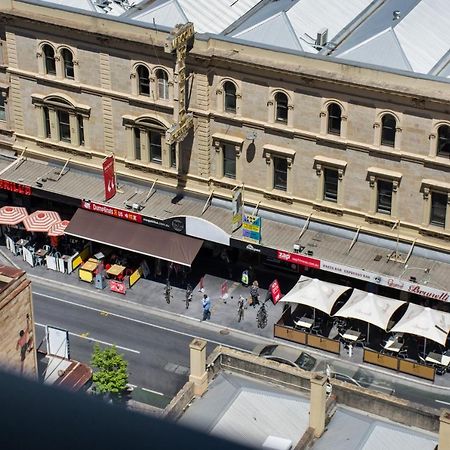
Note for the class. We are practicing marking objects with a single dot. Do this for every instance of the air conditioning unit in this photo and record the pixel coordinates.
(322, 37)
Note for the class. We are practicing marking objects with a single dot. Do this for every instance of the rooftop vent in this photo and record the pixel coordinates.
(321, 38)
(396, 15)
(103, 4)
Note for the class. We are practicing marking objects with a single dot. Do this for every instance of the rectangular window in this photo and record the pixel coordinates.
(384, 197)
(173, 155)
(163, 89)
(330, 191)
(47, 131)
(64, 126)
(80, 129)
(154, 138)
(2, 107)
(280, 173)
(137, 143)
(229, 161)
(438, 209)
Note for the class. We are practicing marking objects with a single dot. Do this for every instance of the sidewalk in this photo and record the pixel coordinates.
(223, 314)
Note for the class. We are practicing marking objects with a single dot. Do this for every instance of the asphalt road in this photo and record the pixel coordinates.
(156, 344)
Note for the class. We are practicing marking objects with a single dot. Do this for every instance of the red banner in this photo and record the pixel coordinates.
(15, 187)
(111, 211)
(295, 258)
(275, 291)
(117, 286)
(109, 177)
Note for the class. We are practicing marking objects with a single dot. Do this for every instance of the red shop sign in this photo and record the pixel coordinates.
(295, 258)
(109, 177)
(275, 291)
(15, 187)
(111, 211)
(117, 286)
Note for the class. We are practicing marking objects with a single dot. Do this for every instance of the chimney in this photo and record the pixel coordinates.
(198, 375)
(317, 407)
(444, 430)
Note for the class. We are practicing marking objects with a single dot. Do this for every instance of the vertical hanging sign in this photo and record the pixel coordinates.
(236, 207)
(109, 177)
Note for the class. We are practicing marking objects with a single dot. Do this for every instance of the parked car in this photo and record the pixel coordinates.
(286, 355)
(345, 378)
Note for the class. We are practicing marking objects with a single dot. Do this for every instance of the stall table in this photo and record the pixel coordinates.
(351, 335)
(115, 284)
(304, 322)
(436, 358)
(87, 270)
(115, 270)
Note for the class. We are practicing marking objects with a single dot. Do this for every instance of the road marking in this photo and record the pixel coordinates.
(85, 336)
(146, 389)
(441, 401)
(119, 316)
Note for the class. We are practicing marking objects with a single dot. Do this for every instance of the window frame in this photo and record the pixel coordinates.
(378, 207)
(327, 171)
(439, 152)
(433, 222)
(227, 149)
(48, 58)
(331, 118)
(143, 81)
(276, 159)
(67, 63)
(227, 95)
(160, 84)
(64, 131)
(386, 131)
(151, 133)
(3, 102)
(281, 107)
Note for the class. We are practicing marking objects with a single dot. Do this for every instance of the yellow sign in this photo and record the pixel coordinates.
(85, 275)
(176, 133)
(76, 262)
(135, 276)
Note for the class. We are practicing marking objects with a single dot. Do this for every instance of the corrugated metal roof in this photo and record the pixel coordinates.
(248, 411)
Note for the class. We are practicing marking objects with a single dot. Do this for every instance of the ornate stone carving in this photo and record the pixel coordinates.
(340, 174)
(318, 169)
(395, 185)
(372, 181)
(426, 193)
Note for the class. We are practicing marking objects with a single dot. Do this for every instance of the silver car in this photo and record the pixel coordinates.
(286, 355)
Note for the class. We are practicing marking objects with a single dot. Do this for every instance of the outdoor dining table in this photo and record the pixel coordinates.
(86, 272)
(41, 253)
(393, 344)
(351, 335)
(115, 270)
(304, 322)
(437, 358)
(22, 242)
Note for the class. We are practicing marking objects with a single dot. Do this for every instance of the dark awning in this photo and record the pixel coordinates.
(134, 237)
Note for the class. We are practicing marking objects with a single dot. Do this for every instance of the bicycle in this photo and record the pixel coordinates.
(261, 316)
(188, 295)
(167, 292)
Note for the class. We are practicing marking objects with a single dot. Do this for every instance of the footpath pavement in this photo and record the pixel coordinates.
(224, 313)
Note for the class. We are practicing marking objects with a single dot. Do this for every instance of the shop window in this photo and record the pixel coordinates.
(143, 75)
(443, 142)
(229, 96)
(67, 59)
(388, 130)
(229, 161)
(384, 196)
(163, 84)
(49, 60)
(280, 174)
(438, 209)
(330, 190)
(334, 118)
(281, 107)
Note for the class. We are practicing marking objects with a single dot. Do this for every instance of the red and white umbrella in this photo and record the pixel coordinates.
(57, 229)
(12, 215)
(41, 221)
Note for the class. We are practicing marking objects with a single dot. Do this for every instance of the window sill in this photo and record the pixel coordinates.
(434, 231)
(329, 207)
(64, 147)
(381, 219)
(279, 196)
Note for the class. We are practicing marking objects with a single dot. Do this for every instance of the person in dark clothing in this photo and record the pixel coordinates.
(254, 293)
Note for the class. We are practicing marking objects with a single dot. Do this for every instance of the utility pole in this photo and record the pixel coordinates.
(178, 42)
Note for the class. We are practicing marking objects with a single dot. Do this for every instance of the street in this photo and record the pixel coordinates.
(156, 343)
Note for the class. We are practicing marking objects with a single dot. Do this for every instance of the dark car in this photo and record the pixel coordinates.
(286, 355)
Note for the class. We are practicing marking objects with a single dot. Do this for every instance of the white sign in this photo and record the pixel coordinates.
(57, 342)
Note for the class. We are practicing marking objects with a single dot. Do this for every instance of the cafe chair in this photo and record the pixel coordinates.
(47, 248)
(422, 360)
(403, 353)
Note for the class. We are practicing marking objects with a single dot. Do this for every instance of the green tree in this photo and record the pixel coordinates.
(111, 376)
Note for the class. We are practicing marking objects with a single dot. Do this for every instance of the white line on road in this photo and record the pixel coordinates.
(97, 340)
(146, 389)
(119, 316)
(441, 401)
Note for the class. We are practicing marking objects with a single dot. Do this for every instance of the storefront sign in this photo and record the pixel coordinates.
(353, 272)
(111, 211)
(251, 228)
(177, 224)
(109, 177)
(236, 207)
(15, 187)
(295, 258)
(275, 291)
(117, 286)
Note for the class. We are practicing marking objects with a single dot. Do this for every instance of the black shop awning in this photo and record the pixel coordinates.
(134, 237)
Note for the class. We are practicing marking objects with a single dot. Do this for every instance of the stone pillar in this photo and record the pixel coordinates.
(444, 430)
(317, 406)
(198, 375)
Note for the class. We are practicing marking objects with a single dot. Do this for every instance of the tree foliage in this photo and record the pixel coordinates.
(111, 376)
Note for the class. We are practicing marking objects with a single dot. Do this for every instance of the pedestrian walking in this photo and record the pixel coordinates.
(206, 303)
(241, 303)
(254, 293)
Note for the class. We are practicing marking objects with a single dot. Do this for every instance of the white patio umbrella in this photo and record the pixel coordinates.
(315, 293)
(426, 322)
(371, 308)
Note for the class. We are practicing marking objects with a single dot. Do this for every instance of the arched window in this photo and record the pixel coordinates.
(281, 107)
(67, 59)
(334, 118)
(388, 128)
(443, 142)
(163, 84)
(229, 89)
(143, 80)
(49, 60)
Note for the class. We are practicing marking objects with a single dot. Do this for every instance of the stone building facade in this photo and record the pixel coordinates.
(17, 333)
(349, 146)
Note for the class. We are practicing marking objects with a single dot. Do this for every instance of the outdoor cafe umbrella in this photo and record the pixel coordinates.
(371, 308)
(56, 230)
(315, 293)
(12, 215)
(425, 322)
(41, 221)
